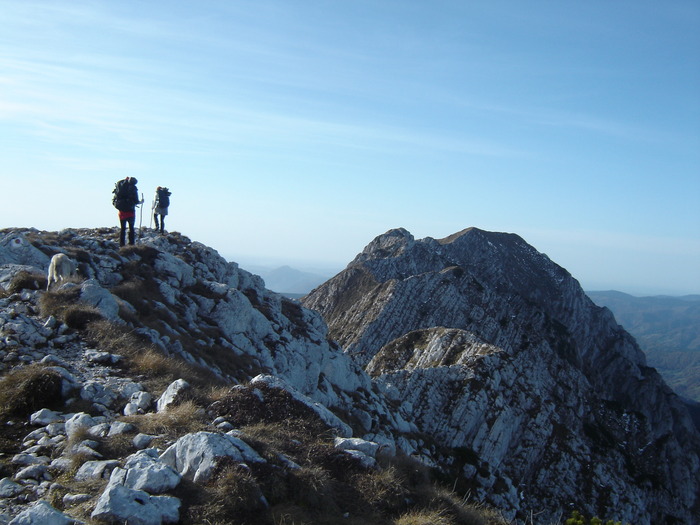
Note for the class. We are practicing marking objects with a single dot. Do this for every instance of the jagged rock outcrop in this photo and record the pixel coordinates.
(183, 300)
(194, 305)
(537, 398)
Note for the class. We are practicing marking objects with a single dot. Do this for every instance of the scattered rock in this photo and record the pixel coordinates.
(42, 513)
(172, 394)
(9, 489)
(96, 469)
(79, 421)
(92, 293)
(121, 504)
(145, 471)
(45, 417)
(195, 456)
(36, 472)
(75, 499)
(142, 441)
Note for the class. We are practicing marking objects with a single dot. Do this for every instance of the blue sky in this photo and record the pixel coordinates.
(296, 131)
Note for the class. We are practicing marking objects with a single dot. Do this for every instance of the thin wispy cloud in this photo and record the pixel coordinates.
(529, 116)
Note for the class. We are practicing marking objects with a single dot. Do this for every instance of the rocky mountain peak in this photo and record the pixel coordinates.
(495, 349)
(389, 244)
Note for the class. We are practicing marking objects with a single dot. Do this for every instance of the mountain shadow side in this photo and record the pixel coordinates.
(535, 396)
(667, 329)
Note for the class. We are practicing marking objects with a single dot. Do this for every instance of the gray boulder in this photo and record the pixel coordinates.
(145, 471)
(15, 249)
(121, 504)
(93, 294)
(368, 448)
(176, 389)
(9, 489)
(42, 513)
(96, 469)
(195, 456)
(140, 402)
(45, 417)
(78, 421)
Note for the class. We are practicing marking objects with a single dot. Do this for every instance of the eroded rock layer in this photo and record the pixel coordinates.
(540, 401)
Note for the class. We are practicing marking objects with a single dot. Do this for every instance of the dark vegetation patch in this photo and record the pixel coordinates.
(146, 254)
(328, 485)
(395, 354)
(27, 389)
(263, 404)
(58, 302)
(79, 316)
(27, 281)
(293, 311)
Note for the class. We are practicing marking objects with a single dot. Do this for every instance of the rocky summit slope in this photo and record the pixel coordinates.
(117, 405)
(535, 397)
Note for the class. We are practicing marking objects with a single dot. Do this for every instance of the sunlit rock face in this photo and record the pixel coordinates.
(194, 305)
(535, 397)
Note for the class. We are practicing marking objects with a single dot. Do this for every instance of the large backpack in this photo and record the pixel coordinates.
(163, 198)
(123, 198)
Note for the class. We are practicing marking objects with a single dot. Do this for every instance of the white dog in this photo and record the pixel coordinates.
(60, 268)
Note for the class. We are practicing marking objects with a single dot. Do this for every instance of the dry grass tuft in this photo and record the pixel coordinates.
(57, 302)
(27, 281)
(160, 369)
(423, 517)
(28, 389)
(172, 423)
(64, 304)
(144, 359)
(77, 457)
(386, 490)
(118, 446)
(290, 515)
(262, 404)
(231, 496)
(79, 316)
(116, 339)
(453, 510)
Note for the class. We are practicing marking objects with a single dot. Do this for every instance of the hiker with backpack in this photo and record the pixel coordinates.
(160, 206)
(125, 199)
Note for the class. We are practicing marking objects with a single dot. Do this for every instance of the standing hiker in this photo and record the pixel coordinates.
(126, 198)
(160, 206)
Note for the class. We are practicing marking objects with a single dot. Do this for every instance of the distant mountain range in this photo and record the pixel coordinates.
(289, 281)
(667, 329)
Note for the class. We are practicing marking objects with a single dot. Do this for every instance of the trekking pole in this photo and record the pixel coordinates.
(153, 207)
(141, 219)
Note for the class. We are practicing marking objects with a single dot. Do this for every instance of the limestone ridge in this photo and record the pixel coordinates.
(498, 353)
(185, 300)
(215, 304)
